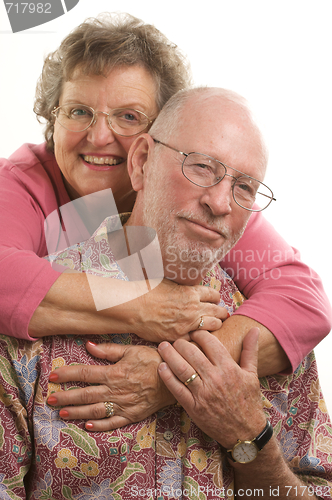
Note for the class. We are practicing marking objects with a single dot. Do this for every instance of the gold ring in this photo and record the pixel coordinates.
(190, 379)
(109, 409)
(201, 323)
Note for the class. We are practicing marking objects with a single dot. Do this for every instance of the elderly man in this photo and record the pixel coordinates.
(197, 205)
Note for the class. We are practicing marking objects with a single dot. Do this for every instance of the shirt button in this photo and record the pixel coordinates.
(168, 435)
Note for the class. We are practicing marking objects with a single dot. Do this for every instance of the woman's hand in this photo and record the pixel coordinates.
(171, 311)
(132, 384)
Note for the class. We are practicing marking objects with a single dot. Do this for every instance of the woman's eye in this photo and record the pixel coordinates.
(130, 117)
(77, 112)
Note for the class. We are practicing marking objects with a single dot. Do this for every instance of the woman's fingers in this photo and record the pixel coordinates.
(99, 422)
(171, 311)
(108, 424)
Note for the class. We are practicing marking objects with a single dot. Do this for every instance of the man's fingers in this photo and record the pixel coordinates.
(212, 348)
(249, 355)
(177, 388)
(175, 362)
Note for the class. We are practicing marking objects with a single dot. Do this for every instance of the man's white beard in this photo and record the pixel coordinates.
(160, 213)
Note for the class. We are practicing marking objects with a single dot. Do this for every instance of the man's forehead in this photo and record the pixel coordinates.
(222, 128)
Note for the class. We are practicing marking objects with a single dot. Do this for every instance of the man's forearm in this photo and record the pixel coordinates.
(271, 356)
(269, 476)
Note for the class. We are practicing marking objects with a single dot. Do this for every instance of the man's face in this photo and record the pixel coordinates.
(197, 226)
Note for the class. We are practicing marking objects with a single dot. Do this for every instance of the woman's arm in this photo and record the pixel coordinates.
(167, 311)
(284, 294)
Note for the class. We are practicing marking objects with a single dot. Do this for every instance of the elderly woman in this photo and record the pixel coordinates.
(105, 85)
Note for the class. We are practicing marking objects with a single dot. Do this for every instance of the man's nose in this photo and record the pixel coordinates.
(100, 132)
(219, 198)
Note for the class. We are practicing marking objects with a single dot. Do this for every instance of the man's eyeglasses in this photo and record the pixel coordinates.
(123, 121)
(205, 171)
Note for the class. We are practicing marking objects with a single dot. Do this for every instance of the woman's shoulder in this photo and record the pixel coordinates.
(28, 156)
(31, 166)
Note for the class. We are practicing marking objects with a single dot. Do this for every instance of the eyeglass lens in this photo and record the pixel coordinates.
(205, 171)
(123, 121)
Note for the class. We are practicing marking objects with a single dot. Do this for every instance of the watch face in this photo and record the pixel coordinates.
(245, 452)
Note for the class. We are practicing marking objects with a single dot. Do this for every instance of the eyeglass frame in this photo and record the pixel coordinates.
(225, 174)
(94, 120)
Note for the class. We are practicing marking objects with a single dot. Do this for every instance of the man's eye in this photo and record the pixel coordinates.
(203, 166)
(247, 187)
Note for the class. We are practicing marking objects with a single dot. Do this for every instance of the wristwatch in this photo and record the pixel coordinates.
(245, 452)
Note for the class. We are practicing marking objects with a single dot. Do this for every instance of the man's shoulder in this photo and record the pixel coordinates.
(230, 296)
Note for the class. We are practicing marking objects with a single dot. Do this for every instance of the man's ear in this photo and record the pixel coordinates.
(138, 155)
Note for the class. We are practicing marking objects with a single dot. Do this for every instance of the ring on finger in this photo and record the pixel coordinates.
(190, 379)
(201, 323)
(109, 409)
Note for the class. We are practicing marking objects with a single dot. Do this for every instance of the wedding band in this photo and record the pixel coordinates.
(109, 409)
(190, 379)
(201, 323)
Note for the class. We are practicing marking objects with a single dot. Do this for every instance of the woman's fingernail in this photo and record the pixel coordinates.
(91, 343)
(53, 377)
(52, 400)
(63, 414)
(89, 426)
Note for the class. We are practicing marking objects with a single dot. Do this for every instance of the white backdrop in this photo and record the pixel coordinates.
(277, 54)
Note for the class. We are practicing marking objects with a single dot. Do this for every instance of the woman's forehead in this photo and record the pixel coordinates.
(132, 84)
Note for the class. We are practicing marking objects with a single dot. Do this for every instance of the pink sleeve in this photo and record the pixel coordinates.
(286, 296)
(25, 276)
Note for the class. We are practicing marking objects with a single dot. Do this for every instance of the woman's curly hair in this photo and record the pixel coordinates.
(102, 43)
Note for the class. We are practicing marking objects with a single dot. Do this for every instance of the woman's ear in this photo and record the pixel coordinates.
(137, 157)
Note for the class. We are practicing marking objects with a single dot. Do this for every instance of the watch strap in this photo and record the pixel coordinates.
(264, 437)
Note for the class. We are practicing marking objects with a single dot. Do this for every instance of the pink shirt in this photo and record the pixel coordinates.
(286, 296)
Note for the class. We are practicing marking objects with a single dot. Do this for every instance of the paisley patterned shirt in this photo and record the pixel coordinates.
(163, 457)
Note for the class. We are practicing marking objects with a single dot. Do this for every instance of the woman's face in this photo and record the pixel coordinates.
(96, 158)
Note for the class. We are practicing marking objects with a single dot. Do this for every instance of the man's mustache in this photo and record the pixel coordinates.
(217, 223)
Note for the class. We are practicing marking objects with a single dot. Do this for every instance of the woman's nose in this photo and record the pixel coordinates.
(100, 132)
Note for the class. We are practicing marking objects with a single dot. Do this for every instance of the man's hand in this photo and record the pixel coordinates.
(224, 400)
(132, 384)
